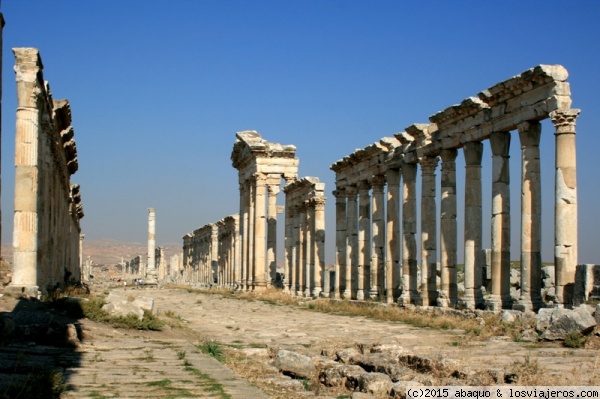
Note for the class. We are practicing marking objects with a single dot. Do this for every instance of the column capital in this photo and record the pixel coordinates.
(428, 164)
(317, 202)
(378, 181)
(564, 121)
(448, 155)
(473, 151)
(351, 192)
(363, 186)
(260, 179)
(273, 189)
(529, 133)
(500, 143)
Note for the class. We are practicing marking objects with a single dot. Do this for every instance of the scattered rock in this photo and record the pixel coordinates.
(399, 388)
(294, 364)
(335, 374)
(556, 323)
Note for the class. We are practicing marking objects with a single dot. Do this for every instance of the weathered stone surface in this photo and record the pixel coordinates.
(348, 355)
(124, 308)
(334, 374)
(294, 364)
(428, 364)
(556, 323)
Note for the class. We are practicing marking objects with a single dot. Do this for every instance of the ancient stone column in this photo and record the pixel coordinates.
(151, 273)
(84, 272)
(340, 241)
(428, 232)
(565, 205)
(302, 250)
(409, 292)
(250, 268)
(214, 257)
(500, 297)
(473, 152)
(378, 241)
(448, 246)
(319, 248)
(272, 232)
(295, 263)
(288, 245)
(260, 207)
(244, 261)
(309, 262)
(351, 240)
(531, 217)
(364, 238)
(392, 261)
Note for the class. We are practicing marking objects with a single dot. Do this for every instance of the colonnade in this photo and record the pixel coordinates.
(305, 238)
(261, 167)
(229, 269)
(200, 255)
(48, 207)
(516, 104)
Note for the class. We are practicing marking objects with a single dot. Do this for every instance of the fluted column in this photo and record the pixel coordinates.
(364, 238)
(351, 240)
(473, 152)
(565, 205)
(409, 292)
(378, 242)
(500, 296)
(428, 232)
(319, 248)
(531, 217)
(392, 261)
(449, 292)
(260, 207)
(340, 241)
(272, 233)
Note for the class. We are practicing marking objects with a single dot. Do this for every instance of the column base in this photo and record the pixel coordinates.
(307, 293)
(316, 292)
(32, 291)
(494, 303)
(347, 294)
(528, 305)
(374, 293)
(408, 298)
(360, 295)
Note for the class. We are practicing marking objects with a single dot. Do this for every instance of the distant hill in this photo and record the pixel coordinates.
(107, 251)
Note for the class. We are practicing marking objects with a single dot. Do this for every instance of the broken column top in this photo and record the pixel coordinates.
(249, 144)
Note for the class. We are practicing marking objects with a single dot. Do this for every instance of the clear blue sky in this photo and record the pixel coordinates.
(159, 88)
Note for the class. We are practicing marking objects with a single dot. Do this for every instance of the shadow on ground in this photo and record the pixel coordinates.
(38, 346)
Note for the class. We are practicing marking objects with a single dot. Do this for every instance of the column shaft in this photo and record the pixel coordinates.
(272, 233)
(428, 232)
(409, 292)
(340, 242)
(364, 239)
(319, 249)
(392, 258)
(448, 246)
(565, 205)
(473, 152)
(500, 296)
(378, 248)
(351, 241)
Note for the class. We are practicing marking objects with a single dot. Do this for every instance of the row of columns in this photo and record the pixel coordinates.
(359, 267)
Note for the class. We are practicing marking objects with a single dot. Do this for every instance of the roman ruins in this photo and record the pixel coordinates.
(151, 274)
(48, 210)
(261, 165)
(377, 221)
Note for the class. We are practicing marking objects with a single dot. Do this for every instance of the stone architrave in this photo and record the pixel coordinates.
(473, 152)
(500, 297)
(565, 206)
(448, 237)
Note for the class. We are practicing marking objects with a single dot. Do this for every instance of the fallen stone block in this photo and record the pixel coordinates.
(335, 374)
(294, 364)
(556, 323)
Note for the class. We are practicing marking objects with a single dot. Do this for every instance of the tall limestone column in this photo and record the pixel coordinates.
(364, 237)
(260, 206)
(378, 241)
(309, 262)
(295, 252)
(392, 258)
(565, 205)
(531, 217)
(243, 235)
(428, 232)
(500, 297)
(151, 273)
(272, 233)
(251, 260)
(319, 248)
(85, 274)
(473, 152)
(448, 246)
(301, 250)
(288, 245)
(340, 241)
(409, 292)
(351, 240)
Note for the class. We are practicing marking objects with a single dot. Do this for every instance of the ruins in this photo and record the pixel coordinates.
(377, 221)
(48, 209)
